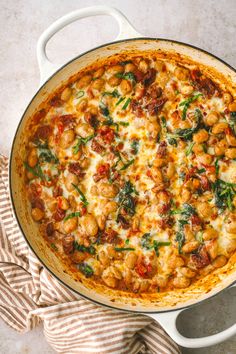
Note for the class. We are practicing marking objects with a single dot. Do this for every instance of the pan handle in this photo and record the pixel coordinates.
(47, 68)
(168, 321)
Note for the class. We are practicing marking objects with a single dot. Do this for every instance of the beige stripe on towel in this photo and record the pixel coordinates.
(29, 295)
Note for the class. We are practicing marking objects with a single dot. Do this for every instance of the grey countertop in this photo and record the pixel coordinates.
(208, 24)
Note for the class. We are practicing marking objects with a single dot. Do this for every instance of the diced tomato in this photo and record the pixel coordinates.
(83, 210)
(209, 168)
(60, 128)
(59, 203)
(143, 269)
(107, 134)
(103, 169)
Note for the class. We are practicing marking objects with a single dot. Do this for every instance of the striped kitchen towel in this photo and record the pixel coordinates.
(29, 294)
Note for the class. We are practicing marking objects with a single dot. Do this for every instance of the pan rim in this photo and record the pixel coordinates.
(144, 312)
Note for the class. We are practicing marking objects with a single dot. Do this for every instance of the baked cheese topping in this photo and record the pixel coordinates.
(131, 174)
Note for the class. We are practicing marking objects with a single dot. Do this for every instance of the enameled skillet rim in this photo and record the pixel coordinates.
(11, 162)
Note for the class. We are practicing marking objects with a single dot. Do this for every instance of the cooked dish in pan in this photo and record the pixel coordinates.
(131, 173)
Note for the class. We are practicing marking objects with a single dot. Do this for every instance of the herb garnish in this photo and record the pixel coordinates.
(72, 215)
(81, 141)
(127, 102)
(135, 146)
(126, 199)
(187, 133)
(120, 249)
(82, 248)
(104, 109)
(125, 124)
(146, 241)
(86, 269)
(114, 93)
(147, 244)
(120, 100)
(45, 154)
(126, 76)
(189, 149)
(157, 244)
(82, 196)
(224, 194)
(232, 122)
(187, 211)
(172, 141)
(80, 94)
(126, 165)
(36, 171)
(185, 104)
(217, 167)
(180, 238)
(163, 122)
(53, 246)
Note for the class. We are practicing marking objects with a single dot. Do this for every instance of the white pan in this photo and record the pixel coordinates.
(166, 308)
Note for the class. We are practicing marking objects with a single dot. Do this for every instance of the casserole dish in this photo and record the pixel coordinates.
(164, 309)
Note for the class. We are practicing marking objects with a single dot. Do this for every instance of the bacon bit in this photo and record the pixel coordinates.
(139, 92)
(149, 173)
(204, 84)
(59, 214)
(102, 172)
(165, 222)
(195, 74)
(50, 229)
(229, 131)
(38, 203)
(124, 223)
(90, 92)
(55, 102)
(205, 184)
(164, 208)
(95, 146)
(139, 75)
(162, 149)
(155, 105)
(43, 132)
(107, 134)
(195, 220)
(149, 77)
(226, 111)
(154, 91)
(57, 191)
(136, 108)
(201, 258)
(110, 236)
(120, 146)
(76, 169)
(91, 119)
(68, 243)
(214, 216)
(39, 116)
(67, 120)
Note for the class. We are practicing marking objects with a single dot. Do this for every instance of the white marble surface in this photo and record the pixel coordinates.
(207, 24)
